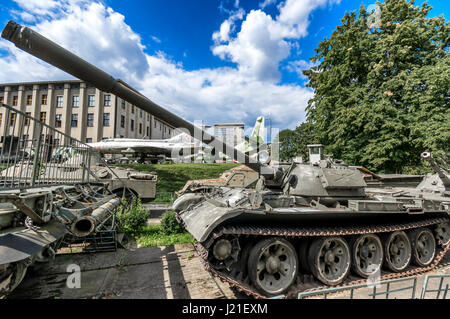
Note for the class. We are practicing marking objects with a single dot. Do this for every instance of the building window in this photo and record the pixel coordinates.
(122, 121)
(140, 128)
(1, 99)
(74, 120)
(29, 99)
(148, 117)
(12, 119)
(15, 99)
(56, 142)
(43, 116)
(90, 119)
(132, 109)
(58, 120)
(75, 101)
(132, 126)
(1, 118)
(88, 139)
(91, 100)
(107, 100)
(155, 123)
(148, 131)
(27, 119)
(106, 119)
(123, 104)
(169, 131)
(44, 99)
(59, 101)
(140, 113)
(160, 126)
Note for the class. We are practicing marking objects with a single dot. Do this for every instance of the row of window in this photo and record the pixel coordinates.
(58, 119)
(59, 100)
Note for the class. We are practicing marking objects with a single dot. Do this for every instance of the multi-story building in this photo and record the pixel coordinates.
(230, 133)
(81, 111)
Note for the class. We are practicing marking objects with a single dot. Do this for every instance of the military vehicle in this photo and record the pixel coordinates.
(240, 176)
(64, 162)
(301, 221)
(47, 203)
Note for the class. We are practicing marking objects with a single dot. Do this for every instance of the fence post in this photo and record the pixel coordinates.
(36, 155)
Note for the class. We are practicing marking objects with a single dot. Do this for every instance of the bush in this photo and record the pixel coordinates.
(169, 224)
(132, 218)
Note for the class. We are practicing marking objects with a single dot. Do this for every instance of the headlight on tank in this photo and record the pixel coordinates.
(263, 157)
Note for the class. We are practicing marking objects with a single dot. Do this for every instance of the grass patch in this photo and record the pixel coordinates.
(173, 177)
(152, 235)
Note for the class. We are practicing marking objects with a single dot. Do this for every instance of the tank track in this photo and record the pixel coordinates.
(202, 251)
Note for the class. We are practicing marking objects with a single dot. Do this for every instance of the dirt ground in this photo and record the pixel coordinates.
(155, 273)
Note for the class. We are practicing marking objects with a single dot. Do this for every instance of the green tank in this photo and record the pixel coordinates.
(303, 225)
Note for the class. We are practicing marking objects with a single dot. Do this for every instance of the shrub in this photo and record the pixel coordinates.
(169, 224)
(132, 217)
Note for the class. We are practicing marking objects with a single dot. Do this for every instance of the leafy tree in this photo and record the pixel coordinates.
(294, 142)
(382, 90)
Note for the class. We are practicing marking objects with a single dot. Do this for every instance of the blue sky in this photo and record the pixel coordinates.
(207, 60)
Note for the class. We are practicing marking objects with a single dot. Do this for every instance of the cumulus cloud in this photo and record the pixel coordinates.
(263, 42)
(101, 36)
(299, 65)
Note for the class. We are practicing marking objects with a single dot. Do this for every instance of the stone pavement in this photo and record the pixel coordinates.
(153, 272)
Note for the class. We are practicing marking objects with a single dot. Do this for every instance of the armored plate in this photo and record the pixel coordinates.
(23, 244)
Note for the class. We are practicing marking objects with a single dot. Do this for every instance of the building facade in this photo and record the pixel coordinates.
(230, 133)
(82, 111)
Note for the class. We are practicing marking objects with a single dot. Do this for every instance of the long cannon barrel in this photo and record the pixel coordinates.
(44, 49)
(429, 158)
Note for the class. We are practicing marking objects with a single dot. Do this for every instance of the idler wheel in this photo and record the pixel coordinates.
(397, 251)
(329, 259)
(443, 233)
(423, 246)
(367, 255)
(272, 266)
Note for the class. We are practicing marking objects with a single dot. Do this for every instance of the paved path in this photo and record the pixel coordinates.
(153, 272)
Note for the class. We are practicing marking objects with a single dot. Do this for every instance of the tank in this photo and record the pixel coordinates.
(240, 176)
(303, 225)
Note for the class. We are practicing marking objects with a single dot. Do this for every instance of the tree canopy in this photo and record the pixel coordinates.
(382, 88)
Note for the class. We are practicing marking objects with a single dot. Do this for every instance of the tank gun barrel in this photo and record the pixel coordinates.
(34, 43)
(429, 158)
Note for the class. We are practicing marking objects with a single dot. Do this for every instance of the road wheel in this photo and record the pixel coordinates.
(397, 251)
(367, 255)
(272, 266)
(329, 259)
(423, 246)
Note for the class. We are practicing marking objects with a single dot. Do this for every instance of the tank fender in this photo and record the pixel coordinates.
(184, 201)
(201, 221)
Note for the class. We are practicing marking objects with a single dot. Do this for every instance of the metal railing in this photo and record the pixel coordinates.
(382, 288)
(34, 154)
(436, 286)
(442, 282)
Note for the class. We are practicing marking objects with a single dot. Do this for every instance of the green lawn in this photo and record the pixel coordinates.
(151, 235)
(172, 177)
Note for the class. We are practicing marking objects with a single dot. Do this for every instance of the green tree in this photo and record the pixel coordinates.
(294, 142)
(382, 90)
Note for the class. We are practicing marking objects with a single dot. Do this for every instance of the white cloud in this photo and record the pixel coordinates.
(263, 42)
(100, 35)
(267, 3)
(299, 65)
